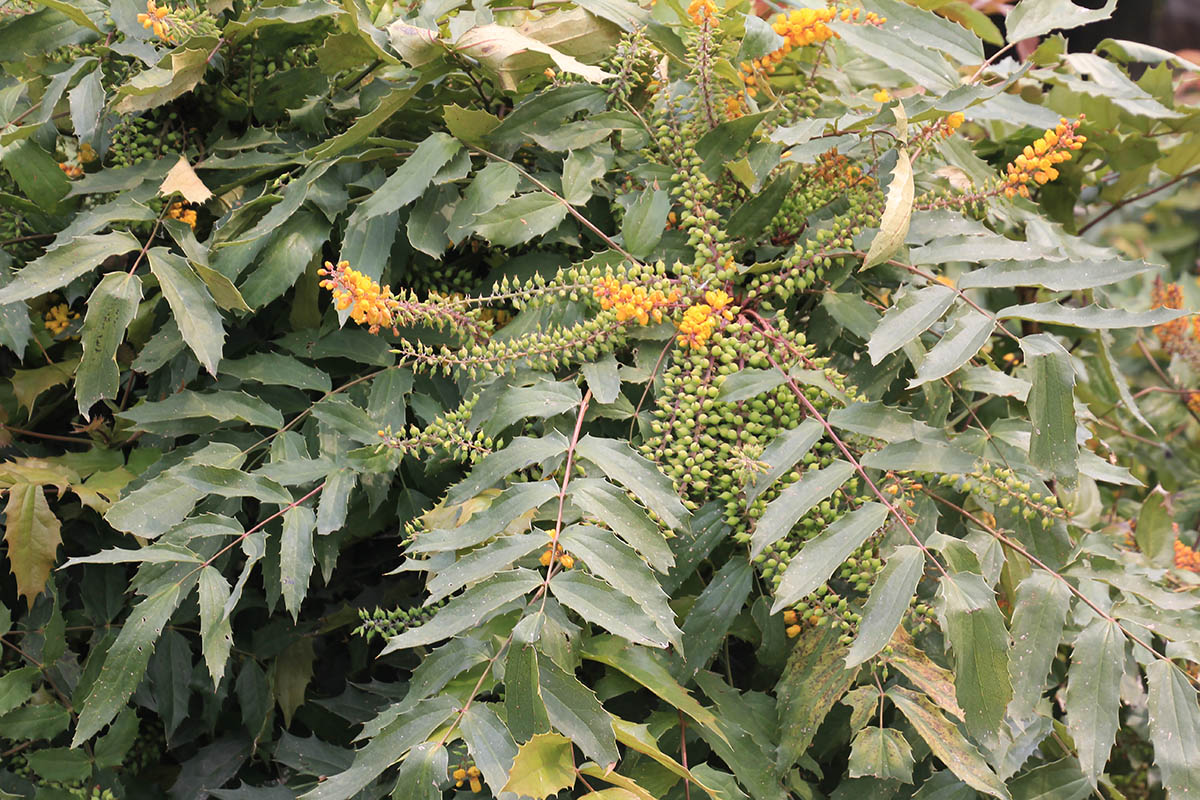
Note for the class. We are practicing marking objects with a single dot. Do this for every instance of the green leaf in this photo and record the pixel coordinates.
(754, 215)
(216, 630)
(468, 609)
(16, 686)
(513, 503)
(612, 507)
(749, 382)
(946, 742)
(519, 220)
(1038, 616)
(1058, 276)
(714, 612)
(1093, 698)
(823, 554)
(493, 185)
(725, 141)
(617, 564)
(292, 672)
(32, 534)
(413, 178)
(525, 709)
(193, 308)
(1155, 532)
(37, 175)
(1174, 728)
(296, 556)
(1051, 406)
(276, 369)
(385, 749)
(112, 747)
(619, 462)
(975, 631)
(646, 668)
(575, 712)
(176, 75)
(543, 766)
(783, 453)
(60, 764)
(970, 331)
(815, 678)
(521, 453)
(1033, 18)
(645, 221)
(890, 597)
(795, 501)
(287, 253)
(1089, 317)
(489, 743)
(595, 601)
(422, 772)
(1060, 780)
(897, 213)
(222, 406)
(930, 30)
(482, 563)
(125, 663)
(882, 752)
(911, 315)
(110, 309)
(63, 264)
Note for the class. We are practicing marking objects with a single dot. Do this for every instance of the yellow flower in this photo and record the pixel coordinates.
(369, 303)
(882, 96)
(1036, 162)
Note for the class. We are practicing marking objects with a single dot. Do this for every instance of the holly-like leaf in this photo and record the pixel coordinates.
(975, 631)
(882, 752)
(543, 766)
(32, 534)
(1093, 694)
(63, 264)
(110, 309)
(947, 743)
(191, 305)
(183, 179)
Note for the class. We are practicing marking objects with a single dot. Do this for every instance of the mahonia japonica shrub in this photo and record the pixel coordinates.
(595, 400)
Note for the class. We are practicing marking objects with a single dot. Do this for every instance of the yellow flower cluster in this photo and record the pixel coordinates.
(368, 303)
(1181, 336)
(633, 302)
(1186, 557)
(157, 19)
(800, 27)
(470, 774)
(72, 171)
(702, 11)
(735, 106)
(59, 317)
(1038, 163)
(554, 553)
(882, 96)
(699, 320)
(182, 213)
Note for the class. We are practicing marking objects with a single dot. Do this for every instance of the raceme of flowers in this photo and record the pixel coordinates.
(799, 27)
(633, 302)
(157, 18)
(182, 213)
(699, 320)
(368, 303)
(1038, 163)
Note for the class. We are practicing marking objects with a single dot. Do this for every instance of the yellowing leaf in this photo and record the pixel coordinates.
(183, 179)
(512, 55)
(30, 384)
(544, 766)
(897, 213)
(32, 534)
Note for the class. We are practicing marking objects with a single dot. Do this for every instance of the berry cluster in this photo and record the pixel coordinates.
(1186, 558)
